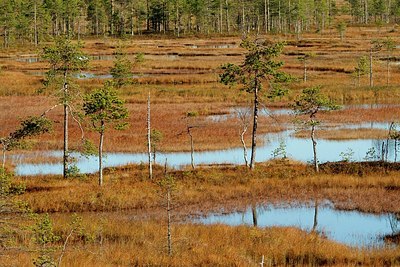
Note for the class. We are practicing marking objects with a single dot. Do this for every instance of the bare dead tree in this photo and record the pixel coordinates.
(244, 116)
(149, 138)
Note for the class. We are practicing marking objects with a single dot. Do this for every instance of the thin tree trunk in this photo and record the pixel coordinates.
(4, 156)
(387, 71)
(305, 71)
(35, 24)
(169, 222)
(64, 247)
(265, 17)
(66, 111)
(220, 17)
(314, 142)
(177, 22)
(227, 16)
(154, 155)
(243, 17)
(269, 17)
(132, 20)
(244, 130)
(101, 154)
(191, 147)
(255, 119)
(112, 18)
(371, 81)
(149, 138)
(255, 217)
(315, 224)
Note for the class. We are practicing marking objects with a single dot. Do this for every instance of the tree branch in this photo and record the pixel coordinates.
(50, 109)
(77, 121)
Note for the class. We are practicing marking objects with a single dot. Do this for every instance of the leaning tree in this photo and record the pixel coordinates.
(29, 127)
(259, 66)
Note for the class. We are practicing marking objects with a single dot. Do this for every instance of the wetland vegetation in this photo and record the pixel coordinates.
(203, 206)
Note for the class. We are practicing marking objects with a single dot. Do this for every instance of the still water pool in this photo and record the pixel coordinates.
(348, 227)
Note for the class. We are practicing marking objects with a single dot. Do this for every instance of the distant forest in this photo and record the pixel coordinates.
(34, 21)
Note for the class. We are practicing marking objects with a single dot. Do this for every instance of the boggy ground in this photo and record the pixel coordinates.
(124, 223)
(182, 77)
(172, 121)
(365, 187)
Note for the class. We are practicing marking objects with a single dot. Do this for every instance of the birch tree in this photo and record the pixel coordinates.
(259, 65)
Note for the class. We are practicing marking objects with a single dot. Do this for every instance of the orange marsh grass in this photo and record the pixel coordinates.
(345, 134)
(131, 243)
(206, 189)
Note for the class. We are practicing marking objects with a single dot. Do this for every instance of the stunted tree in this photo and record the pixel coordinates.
(122, 70)
(309, 104)
(259, 66)
(104, 107)
(304, 59)
(376, 45)
(361, 69)
(341, 28)
(156, 137)
(65, 59)
(389, 45)
(29, 127)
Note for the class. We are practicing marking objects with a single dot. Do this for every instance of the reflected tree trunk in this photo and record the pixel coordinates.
(191, 146)
(315, 223)
(314, 142)
(255, 217)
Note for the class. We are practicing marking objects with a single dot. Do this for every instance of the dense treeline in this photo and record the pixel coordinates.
(23, 21)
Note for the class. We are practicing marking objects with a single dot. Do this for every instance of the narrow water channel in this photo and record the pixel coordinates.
(296, 148)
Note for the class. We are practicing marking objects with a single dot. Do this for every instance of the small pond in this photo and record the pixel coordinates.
(348, 227)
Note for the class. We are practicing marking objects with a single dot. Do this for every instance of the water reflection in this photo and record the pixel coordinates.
(349, 227)
(296, 148)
